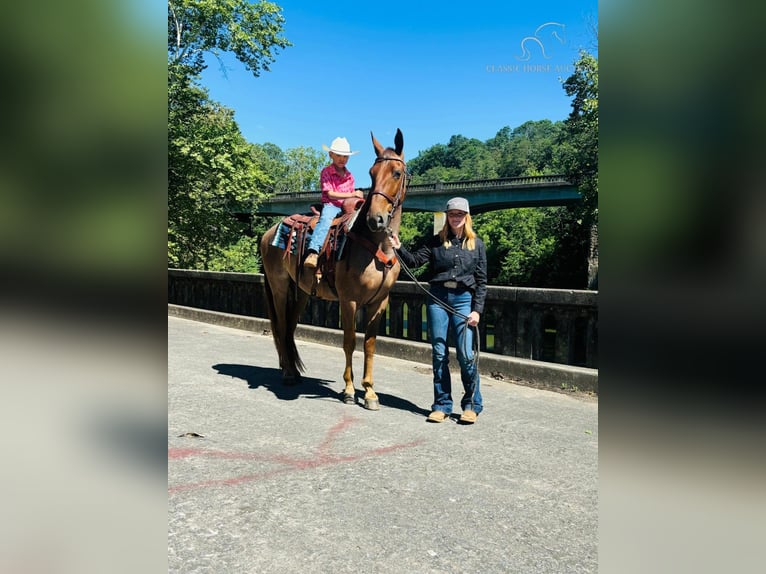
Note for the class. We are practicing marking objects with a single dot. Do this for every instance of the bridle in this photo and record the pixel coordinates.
(397, 200)
(375, 249)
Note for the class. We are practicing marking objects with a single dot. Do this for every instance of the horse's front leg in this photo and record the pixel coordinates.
(370, 398)
(348, 321)
(370, 336)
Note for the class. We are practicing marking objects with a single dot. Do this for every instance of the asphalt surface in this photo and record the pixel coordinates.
(274, 479)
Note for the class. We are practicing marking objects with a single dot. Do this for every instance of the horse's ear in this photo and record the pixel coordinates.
(399, 143)
(376, 144)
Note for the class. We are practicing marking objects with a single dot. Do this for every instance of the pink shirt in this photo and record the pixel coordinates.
(331, 181)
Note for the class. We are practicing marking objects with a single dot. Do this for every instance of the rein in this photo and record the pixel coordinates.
(375, 249)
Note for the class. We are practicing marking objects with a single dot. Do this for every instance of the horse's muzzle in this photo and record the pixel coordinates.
(377, 222)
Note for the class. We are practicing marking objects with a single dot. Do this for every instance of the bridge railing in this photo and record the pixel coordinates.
(531, 180)
(554, 325)
(490, 183)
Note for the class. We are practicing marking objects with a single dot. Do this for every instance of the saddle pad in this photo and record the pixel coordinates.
(282, 237)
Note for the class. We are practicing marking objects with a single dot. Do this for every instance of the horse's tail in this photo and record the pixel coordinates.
(283, 323)
(293, 311)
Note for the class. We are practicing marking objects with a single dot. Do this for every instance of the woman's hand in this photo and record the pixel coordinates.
(395, 241)
(473, 318)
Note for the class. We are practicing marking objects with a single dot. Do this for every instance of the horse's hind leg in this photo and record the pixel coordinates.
(348, 320)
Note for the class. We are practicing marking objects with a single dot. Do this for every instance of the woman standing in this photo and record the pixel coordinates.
(458, 279)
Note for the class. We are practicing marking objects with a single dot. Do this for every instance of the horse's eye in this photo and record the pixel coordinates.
(397, 174)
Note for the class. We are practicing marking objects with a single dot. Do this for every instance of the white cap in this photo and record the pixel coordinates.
(458, 204)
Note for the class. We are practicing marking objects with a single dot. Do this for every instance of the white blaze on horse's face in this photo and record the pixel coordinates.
(388, 175)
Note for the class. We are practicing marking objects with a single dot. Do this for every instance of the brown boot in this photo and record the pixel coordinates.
(468, 417)
(437, 417)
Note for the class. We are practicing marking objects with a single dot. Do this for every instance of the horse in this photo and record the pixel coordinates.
(363, 276)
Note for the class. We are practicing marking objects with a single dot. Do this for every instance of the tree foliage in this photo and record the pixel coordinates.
(249, 30)
(462, 158)
(295, 169)
(579, 149)
(578, 160)
(521, 243)
(528, 149)
(213, 172)
(541, 247)
(242, 257)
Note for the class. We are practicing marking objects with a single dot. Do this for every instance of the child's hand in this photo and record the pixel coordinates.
(358, 194)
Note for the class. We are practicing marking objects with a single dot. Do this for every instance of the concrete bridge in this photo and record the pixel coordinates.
(483, 195)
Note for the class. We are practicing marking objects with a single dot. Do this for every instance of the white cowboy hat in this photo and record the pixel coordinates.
(340, 146)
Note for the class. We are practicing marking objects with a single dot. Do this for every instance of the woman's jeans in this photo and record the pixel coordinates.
(440, 321)
(329, 211)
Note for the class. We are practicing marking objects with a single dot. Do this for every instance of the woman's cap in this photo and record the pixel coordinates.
(459, 204)
(340, 146)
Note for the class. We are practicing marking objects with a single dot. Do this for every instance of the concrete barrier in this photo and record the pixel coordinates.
(554, 376)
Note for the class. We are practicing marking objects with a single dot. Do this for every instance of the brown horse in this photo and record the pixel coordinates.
(363, 277)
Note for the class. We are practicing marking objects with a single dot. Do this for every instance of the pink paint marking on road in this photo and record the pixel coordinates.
(322, 458)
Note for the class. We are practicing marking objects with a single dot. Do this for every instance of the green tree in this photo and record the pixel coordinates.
(296, 169)
(518, 244)
(526, 150)
(241, 257)
(251, 31)
(213, 172)
(270, 159)
(304, 165)
(415, 229)
(461, 158)
(578, 159)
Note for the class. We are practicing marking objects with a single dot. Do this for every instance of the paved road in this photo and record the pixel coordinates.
(288, 480)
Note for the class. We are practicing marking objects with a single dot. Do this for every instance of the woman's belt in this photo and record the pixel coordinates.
(450, 284)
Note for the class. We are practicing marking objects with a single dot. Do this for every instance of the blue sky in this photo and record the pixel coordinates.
(430, 70)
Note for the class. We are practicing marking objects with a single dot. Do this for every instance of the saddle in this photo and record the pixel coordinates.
(295, 230)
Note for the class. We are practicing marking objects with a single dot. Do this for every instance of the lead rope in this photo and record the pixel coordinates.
(450, 309)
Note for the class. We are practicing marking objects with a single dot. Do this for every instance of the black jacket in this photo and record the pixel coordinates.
(468, 268)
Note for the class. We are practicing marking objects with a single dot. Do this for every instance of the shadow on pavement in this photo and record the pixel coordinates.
(395, 402)
(271, 379)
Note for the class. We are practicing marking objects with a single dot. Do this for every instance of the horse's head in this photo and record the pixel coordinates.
(389, 183)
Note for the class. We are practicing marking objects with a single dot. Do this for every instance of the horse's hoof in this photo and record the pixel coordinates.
(290, 380)
(372, 404)
(349, 399)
